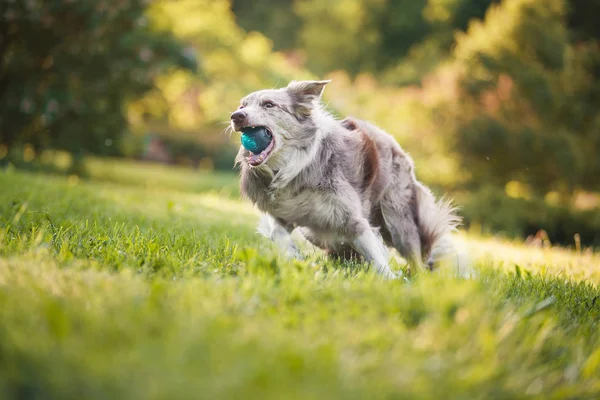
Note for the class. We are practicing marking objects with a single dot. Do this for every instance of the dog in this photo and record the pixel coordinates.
(346, 185)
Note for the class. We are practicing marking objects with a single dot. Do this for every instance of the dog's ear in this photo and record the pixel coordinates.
(305, 94)
(308, 89)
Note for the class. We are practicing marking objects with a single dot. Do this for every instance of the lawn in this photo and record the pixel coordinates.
(149, 282)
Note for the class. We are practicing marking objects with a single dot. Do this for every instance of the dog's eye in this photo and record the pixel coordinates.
(268, 104)
(242, 105)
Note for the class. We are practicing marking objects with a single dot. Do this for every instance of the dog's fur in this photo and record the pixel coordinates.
(347, 185)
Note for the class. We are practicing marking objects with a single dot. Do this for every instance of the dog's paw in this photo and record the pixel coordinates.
(390, 275)
(292, 253)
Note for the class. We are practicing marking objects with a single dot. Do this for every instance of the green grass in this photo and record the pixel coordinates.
(147, 282)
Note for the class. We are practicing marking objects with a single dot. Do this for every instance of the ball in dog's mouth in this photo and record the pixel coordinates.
(258, 140)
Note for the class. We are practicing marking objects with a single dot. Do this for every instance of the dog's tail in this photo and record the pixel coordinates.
(438, 219)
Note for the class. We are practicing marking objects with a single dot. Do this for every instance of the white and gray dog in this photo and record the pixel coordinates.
(346, 184)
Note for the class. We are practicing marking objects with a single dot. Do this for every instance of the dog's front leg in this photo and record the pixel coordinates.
(281, 234)
(372, 248)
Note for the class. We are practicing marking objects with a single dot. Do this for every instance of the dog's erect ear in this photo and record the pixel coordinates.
(309, 90)
(304, 95)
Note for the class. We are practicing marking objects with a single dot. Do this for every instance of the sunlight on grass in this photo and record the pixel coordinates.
(114, 288)
(161, 177)
(554, 261)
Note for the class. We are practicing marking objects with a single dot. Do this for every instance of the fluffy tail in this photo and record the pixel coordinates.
(437, 220)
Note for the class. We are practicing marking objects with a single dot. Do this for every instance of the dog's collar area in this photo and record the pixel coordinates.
(263, 168)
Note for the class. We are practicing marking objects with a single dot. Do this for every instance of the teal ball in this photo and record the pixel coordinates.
(256, 140)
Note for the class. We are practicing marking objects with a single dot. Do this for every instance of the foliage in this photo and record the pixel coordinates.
(273, 18)
(528, 108)
(128, 287)
(483, 94)
(520, 217)
(189, 107)
(353, 34)
(67, 68)
(361, 36)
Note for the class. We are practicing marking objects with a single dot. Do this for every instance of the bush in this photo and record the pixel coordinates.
(67, 69)
(491, 211)
(528, 110)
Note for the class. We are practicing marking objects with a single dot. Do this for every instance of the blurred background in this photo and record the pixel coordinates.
(497, 101)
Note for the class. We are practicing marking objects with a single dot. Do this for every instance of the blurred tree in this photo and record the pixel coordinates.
(274, 18)
(338, 34)
(583, 19)
(401, 24)
(233, 63)
(361, 36)
(527, 113)
(453, 15)
(441, 19)
(68, 68)
(195, 108)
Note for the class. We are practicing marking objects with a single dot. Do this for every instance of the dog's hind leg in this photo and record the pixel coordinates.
(400, 222)
(372, 248)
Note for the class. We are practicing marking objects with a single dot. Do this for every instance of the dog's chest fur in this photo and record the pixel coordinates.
(296, 204)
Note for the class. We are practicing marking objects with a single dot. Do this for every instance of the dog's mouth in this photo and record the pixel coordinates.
(259, 142)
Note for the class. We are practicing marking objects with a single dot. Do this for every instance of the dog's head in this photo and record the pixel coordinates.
(286, 116)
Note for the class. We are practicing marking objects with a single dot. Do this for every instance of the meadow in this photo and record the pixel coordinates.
(149, 282)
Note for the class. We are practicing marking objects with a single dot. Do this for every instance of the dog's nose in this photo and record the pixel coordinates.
(238, 117)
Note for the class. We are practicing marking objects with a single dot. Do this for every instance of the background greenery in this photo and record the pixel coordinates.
(496, 100)
(122, 277)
